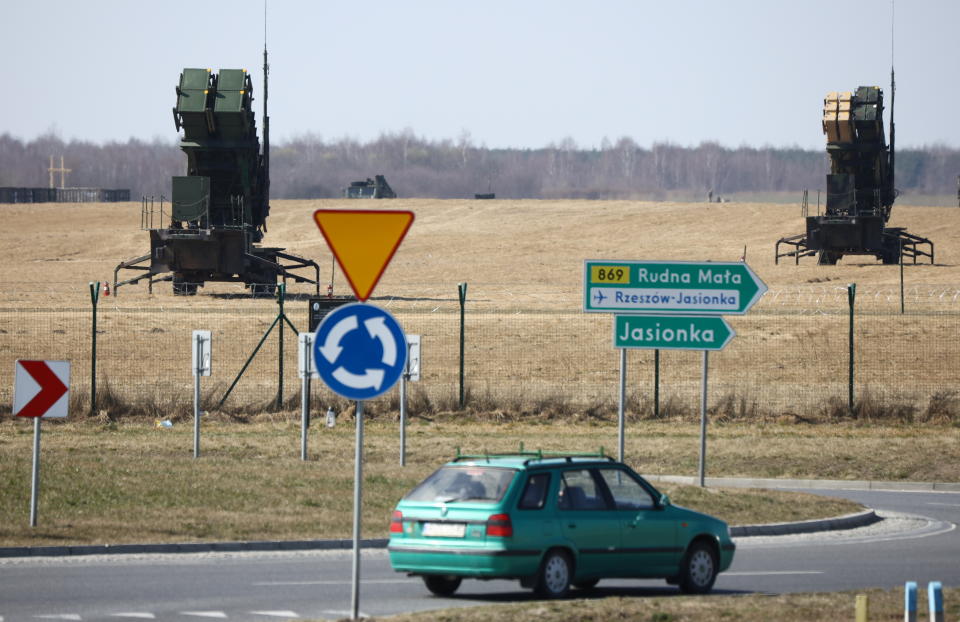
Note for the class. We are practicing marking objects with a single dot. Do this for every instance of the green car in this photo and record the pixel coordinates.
(551, 521)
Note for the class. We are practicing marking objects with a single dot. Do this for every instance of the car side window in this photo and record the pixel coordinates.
(535, 492)
(627, 492)
(579, 491)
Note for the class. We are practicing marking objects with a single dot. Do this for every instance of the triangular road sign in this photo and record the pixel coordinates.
(363, 241)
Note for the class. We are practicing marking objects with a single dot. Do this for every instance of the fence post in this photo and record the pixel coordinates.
(851, 296)
(656, 384)
(901, 277)
(94, 299)
(281, 292)
(462, 291)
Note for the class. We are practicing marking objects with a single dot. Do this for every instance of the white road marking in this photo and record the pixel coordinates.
(760, 573)
(134, 614)
(332, 582)
(204, 614)
(949, 505)
(276, 614)
(60, 616)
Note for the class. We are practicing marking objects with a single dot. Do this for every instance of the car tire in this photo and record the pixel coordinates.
(553, 578)
(442, 585)
(698, 570)
(587, 584)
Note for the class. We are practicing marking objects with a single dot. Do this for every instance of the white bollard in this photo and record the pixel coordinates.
(935, 599)
(910, 601)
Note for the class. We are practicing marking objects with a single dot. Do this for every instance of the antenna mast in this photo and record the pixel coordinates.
(266, 118)
(893, 98)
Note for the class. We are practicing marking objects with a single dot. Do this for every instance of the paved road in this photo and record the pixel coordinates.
(275, 586)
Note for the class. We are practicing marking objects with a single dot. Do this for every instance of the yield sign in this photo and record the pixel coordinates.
(363, 241)
(40, 388)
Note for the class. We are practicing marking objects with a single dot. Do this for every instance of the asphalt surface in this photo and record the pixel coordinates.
(917, 541)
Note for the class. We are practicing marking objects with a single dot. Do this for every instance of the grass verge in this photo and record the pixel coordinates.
(882, 604)
(129, 482)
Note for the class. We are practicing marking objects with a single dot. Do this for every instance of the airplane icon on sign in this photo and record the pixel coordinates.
(599, 297)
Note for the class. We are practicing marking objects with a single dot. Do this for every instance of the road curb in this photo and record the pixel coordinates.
(823, 484)
(190, 547)
(849, 521)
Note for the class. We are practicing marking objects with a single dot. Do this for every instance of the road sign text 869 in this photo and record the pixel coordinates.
(609, 274)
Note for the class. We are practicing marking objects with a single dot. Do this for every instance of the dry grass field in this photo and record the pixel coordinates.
(514, 254)
(883, 605)
(529, 346)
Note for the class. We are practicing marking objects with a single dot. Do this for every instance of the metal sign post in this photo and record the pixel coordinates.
(703, 420)
(410, 373)
(621, 410)
(35, 485)
(306, 372)
(403, 419)
(201, 367)
(357, 498)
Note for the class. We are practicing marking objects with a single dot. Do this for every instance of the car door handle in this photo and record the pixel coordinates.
(572, 525)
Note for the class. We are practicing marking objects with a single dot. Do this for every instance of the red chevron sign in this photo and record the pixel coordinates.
(40, 388)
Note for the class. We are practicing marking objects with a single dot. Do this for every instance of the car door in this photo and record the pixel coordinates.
(588, 522)
(648, 534)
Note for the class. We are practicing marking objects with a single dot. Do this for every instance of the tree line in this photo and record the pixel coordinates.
(312, 167)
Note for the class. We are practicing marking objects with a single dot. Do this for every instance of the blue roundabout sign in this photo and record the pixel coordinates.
(359, 350)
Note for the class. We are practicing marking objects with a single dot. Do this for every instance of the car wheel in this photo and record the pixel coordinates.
(553, 580)
(589, 584)
(698, 570)
(442, 585)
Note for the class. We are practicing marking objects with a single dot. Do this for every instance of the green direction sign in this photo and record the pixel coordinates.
(696, 288)
(671, 332)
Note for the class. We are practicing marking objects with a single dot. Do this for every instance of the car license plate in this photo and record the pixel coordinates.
(444, 530)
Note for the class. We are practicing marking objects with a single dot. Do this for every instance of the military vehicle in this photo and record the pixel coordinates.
(219, 208)
(376, 188)
(860, 187)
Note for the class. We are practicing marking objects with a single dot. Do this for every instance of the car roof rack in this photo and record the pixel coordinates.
(534, 455)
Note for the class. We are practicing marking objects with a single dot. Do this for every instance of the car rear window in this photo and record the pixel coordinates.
(535, 492)
(450, 484)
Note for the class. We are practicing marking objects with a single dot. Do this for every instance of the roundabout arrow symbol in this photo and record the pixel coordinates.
(371, 378)
(377, 327)
(331, 347)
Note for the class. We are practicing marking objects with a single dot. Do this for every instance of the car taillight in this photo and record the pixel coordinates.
(499, 525)
(396, 523)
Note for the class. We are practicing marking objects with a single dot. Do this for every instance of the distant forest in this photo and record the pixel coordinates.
(311, 167)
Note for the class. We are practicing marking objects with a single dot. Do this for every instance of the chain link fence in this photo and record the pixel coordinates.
(790, 356)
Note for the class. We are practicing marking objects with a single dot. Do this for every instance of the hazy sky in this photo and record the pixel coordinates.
(511, 73)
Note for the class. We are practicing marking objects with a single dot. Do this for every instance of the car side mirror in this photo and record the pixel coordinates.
(664, 501)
